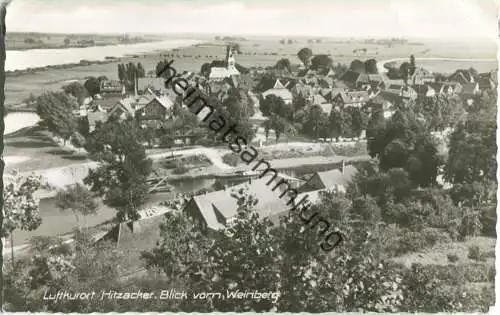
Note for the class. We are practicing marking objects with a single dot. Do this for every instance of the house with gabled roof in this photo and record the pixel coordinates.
(218, 210)
(469, 90)
(96, 117)
(377, 81)
(281, 91)
(111, 87)
(421, 76)
(156, 109)
(316, 99)
(326, 108)
(423, 90)
(122, 110)
(351, 99)
(462, 76)
(446, 88)
(332, 179)
(486, 82)
(330, 95)
(155, 84)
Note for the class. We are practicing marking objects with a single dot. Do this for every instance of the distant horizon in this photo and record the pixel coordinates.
(411, 19)
(262, 36)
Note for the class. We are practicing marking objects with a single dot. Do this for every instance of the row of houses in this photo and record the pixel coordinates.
(357, 89)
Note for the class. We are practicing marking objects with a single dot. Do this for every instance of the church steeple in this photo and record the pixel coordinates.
(230, 61)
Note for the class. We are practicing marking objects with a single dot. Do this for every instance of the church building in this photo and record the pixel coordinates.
(228, 70)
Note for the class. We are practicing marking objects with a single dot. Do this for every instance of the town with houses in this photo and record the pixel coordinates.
(317, 105)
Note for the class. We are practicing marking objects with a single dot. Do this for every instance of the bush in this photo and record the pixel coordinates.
(474, 252)
(452, 258)
(412, 241)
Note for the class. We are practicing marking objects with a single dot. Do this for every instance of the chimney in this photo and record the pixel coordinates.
(342, 167)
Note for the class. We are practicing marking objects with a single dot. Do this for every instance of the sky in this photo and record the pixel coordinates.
(451, 19)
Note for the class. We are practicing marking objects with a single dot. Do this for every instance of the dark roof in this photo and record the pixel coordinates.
(107, 102)
(468, 89)
(332, 178)
(306, 72)
(391, 97)
(354, 96)
(462, 76)
(395, 87)
(223, 203)
(484, 82)
(154, 83)
(437, 86)
(421, 88)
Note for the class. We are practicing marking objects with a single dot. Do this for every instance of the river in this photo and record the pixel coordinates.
(20, 60)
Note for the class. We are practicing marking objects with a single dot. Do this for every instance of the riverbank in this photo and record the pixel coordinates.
(101, 61)
(20, 41)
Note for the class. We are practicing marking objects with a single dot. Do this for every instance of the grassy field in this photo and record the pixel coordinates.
(258, 53)
(23, 41)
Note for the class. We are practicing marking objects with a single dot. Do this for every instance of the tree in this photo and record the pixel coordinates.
(357, 66)
(271, 104)
(66, 41)
(92, 85)
(20, 206)
(124, 167)
(316, 122)
(413, 66)
(239, 104)
(205, 69)
(299, 102)
(284, 64)
(141, 73)
(371, 66)
(236, 47)
(121, 72)
(266, 82)
(472, 150)
(279, 125)
(321, 62)
(56, 111)
(77, 90)
(403, 141)
(84, 267)
(79, 200)
(304, 56)
(404, 70)
(359, 120)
